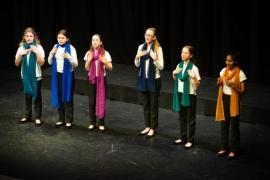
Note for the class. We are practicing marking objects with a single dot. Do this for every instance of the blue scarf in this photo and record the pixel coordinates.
(29, 72)
(184, 77)
(66, 79)
(146, 84)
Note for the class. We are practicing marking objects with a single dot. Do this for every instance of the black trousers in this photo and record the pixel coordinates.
(65, 111)
(187, 119)
(38, 103)
(92, 103)
(149, 101)
(234, 144)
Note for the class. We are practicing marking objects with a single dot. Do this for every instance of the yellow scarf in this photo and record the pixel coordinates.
(234, 101)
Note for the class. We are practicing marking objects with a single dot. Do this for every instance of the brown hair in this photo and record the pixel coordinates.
(101, 46)
(31, 30)
(65, 33)
(191, 51)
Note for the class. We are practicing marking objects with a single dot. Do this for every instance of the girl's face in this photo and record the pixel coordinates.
(229, 62)
(185, 55)
(149, 36)
(29, 37)
(62, 39)
(96, 43)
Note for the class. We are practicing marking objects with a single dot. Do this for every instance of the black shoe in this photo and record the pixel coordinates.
(59, 123)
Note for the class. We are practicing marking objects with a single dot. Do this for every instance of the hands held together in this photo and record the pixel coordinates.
(64, 55)
(101, 58)
(221, 81)
(144, 52)
(27, 51)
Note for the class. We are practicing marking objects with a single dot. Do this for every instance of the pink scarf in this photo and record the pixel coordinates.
(98, 79)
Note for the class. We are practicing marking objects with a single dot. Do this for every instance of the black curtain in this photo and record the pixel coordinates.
(212, 27)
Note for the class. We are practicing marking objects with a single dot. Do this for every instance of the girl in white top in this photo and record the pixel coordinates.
(63, 58)
(97, 61)
(30, 55)
(231, 84)
(149, 60)
(187, 80)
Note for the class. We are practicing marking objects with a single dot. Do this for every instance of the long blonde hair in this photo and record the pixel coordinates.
(156, 43)
(31, 30)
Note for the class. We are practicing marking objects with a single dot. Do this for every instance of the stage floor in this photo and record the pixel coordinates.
(46, 152)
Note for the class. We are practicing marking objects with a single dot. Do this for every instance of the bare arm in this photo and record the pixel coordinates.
(18, 60)
(176, 71)
(196, 81)
(87, 62)
(240, 89)
(108, 64)
(52, 53)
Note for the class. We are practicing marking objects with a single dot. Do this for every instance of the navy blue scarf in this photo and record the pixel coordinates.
(66, 79)
(146, 84)
(29, 72)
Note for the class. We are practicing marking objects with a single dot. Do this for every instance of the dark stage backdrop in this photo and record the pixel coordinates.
(211, 26)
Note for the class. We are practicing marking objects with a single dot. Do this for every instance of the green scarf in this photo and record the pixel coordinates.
(185, 100)
(29, 72)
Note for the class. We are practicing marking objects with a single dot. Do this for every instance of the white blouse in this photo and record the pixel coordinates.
(107, 57)
(60, 60)
(38, 68)
(192, 87)
(227, 89)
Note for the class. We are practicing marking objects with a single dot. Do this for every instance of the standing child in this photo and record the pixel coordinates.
(187, 80)
(63, 58)
(149, 60)
(97, 61)
(30, 55)
(231, 84)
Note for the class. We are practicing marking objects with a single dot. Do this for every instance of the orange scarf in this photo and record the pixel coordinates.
(234, 101)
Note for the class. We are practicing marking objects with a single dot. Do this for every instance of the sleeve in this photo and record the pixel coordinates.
(160, 61)
(18, 51)
(137, 60)
(222, 72)
(108, 56)
(197, 73)
(86, 55)
(51, 56)
(41, 51)
(243, 76)
(73, 60)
